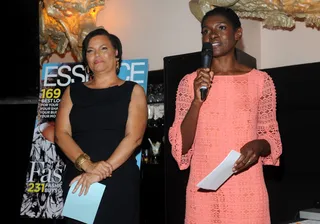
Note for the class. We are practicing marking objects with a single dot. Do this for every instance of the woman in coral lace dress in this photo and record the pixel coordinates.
(238, 113)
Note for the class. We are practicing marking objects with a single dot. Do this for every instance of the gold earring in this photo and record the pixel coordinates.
(118, 64)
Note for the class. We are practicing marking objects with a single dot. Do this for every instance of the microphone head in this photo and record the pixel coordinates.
(206, 55)
(207, 49)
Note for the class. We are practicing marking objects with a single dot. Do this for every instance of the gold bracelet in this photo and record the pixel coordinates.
(80, 160)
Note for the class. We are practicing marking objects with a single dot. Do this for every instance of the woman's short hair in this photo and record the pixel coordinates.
(115, 41)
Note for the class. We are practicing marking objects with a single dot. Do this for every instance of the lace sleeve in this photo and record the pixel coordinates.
(267, 123)
(183, 102)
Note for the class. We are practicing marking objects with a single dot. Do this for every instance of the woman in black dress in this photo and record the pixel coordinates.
(99, 125)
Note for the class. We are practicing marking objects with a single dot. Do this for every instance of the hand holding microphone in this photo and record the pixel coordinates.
(206, 58)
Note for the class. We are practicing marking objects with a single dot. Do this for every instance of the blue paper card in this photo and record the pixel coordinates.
(83, 208)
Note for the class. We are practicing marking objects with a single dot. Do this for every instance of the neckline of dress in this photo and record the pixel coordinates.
(240, 75)
(110, 87)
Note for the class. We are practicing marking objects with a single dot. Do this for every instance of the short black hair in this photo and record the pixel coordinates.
(227, 13)
(115, 41)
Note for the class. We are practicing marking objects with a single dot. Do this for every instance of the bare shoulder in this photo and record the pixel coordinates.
(138, 95)
(138, 101)
(67, 89)
(66, 98)
(138, 90)
(66, 93)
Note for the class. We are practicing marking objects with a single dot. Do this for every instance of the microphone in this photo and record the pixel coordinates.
(206, 58)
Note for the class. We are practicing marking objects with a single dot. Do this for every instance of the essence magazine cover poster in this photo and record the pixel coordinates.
(42, 197)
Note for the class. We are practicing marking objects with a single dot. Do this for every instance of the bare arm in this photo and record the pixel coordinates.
(135, 128)
(63, 135)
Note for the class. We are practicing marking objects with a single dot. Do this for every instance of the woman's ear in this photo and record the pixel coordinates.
(117, 53)
(238, 34)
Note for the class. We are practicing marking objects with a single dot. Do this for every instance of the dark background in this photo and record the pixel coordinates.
(18, 92)
(19, 87)
(21, 76)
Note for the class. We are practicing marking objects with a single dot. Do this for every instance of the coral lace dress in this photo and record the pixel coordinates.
(238, 109)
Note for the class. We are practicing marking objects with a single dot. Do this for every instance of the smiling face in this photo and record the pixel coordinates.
(220, 32)
(101, 55)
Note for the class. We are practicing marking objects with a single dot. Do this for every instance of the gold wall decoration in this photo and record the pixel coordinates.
(273, 13)
(64, 23)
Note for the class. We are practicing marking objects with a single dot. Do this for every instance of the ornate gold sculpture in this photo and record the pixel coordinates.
(273, 13)
(64, 23)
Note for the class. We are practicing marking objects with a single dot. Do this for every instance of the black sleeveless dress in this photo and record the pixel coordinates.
(98, 119)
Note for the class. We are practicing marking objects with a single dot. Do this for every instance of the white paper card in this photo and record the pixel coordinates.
(83, 208)
(221, 173)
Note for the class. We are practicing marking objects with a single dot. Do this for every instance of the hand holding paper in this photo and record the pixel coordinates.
(221, 173)
(83, 208)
